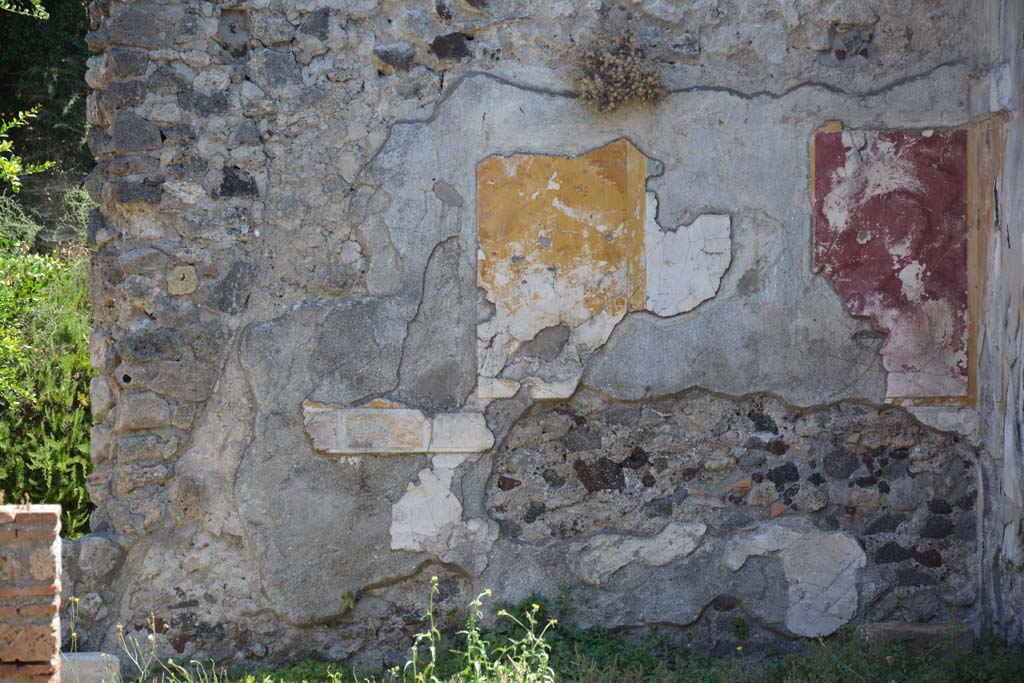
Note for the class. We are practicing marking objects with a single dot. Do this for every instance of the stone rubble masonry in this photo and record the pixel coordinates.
(30, 569)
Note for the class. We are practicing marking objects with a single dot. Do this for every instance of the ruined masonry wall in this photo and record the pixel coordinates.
(377, 299)
(30, 569)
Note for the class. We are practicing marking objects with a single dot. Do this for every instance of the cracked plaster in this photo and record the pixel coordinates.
(329, 217)
(575, 242)
(821, 568)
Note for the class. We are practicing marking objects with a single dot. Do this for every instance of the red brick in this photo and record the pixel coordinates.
(40, 669)
(40, 515)
(30, 678)
(12, 590)
(6, 514)
(29, 673)
(37, 611)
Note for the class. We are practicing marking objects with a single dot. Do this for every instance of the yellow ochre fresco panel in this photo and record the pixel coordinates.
(573, 242)
(562, 236)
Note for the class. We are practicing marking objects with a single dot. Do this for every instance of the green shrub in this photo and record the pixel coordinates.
(43, 63)
(44, 305)
(12, 167)
(44, 374)
(28, 8)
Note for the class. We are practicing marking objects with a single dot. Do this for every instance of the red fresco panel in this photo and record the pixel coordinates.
(890, 231)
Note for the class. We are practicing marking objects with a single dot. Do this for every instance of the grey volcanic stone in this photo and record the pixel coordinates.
(127, 62)
(237, 183)
(150, 28)
(450, 46)
(231, 293)
(316, 24)
(132, 133)
(396, 55)
(128, 192)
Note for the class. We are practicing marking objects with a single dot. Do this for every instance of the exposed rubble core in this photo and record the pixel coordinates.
(316, 388)
(867, 511)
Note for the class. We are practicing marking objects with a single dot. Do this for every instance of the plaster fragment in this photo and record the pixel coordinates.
(573, 243)
(685, 267)
(604, 554)
(821, 568)
(460, 433)
(429, 518)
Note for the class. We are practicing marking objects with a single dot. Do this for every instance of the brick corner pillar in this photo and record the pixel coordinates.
(30, 593)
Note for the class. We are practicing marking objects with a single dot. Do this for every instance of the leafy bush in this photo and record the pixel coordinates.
(612, 70)
(44, 372)
(44, 304)
(12, 166)
(28, 8)
(42, 63)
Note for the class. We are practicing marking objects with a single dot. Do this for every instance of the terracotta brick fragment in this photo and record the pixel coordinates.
(30, 594)
(36, 669)
(34, 517)
(778, 509)
(23, 589)
(30, 673)
(31, 643)
(38, 611)
(740, 487)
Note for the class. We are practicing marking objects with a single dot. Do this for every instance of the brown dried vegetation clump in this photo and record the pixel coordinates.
(612, 70)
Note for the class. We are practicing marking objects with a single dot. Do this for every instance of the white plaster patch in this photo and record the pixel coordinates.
(460, 433)
(604, 554)
(948, 418)
(428, 518)
(425, 513)
(685, 267)
(821, 569)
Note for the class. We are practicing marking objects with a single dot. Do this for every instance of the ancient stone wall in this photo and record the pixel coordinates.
(378, 298)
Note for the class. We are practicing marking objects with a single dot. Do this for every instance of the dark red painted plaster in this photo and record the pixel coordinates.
(890, 229)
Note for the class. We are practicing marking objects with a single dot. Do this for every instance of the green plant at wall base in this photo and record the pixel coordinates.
(12, 166)
(23, 279)
(45, 422)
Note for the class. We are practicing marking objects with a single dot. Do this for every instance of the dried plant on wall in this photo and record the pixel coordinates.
(612, 70)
